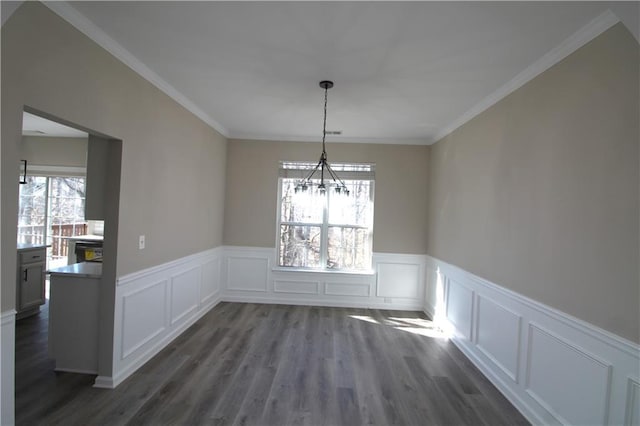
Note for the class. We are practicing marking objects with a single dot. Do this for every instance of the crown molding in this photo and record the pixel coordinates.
(584, 35)
(7, 8)
(578, 39)
(88, 28)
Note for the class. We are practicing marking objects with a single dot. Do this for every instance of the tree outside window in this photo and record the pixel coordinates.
(51, 208)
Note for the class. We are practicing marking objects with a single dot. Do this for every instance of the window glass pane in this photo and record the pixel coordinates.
(348, 248)
(32, 210)
(303, 206)
(299, 246)
(66, 210)
(352, 209)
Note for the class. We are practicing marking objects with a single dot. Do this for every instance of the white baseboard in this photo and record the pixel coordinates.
(7, 366)
(74, 370)
(104, 382)
(396, 282)
(429, 311)
(554, 368)
(320, 302)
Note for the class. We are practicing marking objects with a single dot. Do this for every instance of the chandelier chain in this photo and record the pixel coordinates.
(324, 124)
(323, 164)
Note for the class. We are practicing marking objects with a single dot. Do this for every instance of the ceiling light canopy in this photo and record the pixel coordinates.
(323, 168)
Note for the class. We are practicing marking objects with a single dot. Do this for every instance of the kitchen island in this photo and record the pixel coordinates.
(73, 317)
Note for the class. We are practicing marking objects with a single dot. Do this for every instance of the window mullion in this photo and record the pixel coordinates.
(346, 225)
(47, 212)
(301, 223)
(324, 243)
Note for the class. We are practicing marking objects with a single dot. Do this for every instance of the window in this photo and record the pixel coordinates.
(51, 208)
(330, 230)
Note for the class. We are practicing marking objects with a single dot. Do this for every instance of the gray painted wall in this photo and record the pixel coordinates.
(400, 190)
(540, 193)
(172, 164)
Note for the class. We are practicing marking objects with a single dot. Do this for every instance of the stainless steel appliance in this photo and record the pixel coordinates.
(88, 251)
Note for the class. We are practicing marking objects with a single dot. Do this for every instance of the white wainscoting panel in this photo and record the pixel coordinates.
(556, 369)
(210, 280)
(579, 391)
(396, 281)
(347, 289)
(460, 308)
(7, 367)
(154, 306)
(498, 335)
(247, 273)
(139, 323)
(296, 287)
(399, 280)
(633, 403)
(185, 293)
(433, 296)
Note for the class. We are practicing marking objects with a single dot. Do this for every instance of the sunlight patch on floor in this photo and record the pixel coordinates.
(428, 332)
(419, 326)
(366, 318)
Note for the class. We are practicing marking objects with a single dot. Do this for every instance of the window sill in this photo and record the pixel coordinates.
(367, 272)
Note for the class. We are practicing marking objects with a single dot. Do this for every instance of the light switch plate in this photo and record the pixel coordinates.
(141, 242)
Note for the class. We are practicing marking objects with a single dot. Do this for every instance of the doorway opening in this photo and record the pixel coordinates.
(68, 197)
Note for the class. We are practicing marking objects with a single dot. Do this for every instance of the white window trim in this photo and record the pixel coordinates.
(352, 272)
(300, 174)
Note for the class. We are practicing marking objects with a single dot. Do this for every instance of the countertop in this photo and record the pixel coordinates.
(85, 237)
(30, 246)
(84, 269)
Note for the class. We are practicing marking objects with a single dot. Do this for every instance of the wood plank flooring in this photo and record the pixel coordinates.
(251, 364)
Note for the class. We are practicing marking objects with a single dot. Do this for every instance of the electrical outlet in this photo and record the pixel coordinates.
(141, 242)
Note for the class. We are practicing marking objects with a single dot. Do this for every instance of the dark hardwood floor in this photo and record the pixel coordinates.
(250, 364)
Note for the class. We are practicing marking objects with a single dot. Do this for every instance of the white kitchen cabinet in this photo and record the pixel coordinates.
(30, 291)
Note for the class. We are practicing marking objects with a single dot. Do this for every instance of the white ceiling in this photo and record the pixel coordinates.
(404, 72)
(33, 125)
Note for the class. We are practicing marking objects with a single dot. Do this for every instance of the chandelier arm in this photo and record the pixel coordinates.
(315, 169)
(335, 176)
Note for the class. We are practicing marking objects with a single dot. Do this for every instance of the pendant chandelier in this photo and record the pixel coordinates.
(323, 169)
